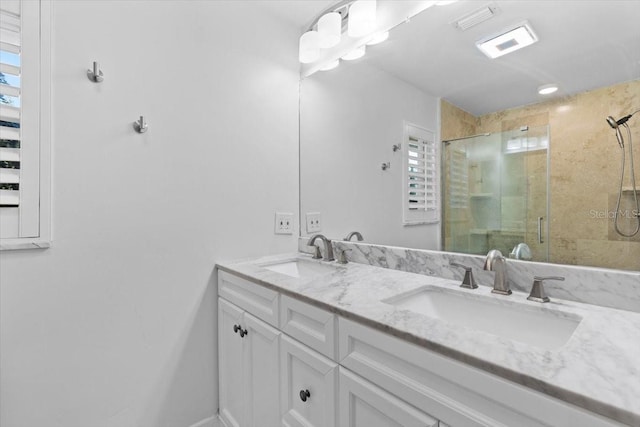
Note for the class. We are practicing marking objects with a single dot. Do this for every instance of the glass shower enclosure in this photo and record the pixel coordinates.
(495, 191)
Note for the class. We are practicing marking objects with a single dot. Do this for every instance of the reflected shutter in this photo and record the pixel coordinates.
(421, 190)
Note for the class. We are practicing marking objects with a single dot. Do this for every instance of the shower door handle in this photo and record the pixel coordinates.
(540, 241)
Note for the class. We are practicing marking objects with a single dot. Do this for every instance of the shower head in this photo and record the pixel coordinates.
(615, 124)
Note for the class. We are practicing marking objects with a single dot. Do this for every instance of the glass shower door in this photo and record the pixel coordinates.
(495, 193)
(524, 180)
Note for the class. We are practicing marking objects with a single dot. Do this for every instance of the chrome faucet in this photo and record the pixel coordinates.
(328, 249)
(497, 263)
(352, 234)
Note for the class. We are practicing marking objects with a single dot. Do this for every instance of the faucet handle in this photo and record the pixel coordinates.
(468, 281)
(342, 256)
(317, 254)
(537, 290)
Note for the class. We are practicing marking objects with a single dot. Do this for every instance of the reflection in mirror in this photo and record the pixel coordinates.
(554, 189)
(495, 193)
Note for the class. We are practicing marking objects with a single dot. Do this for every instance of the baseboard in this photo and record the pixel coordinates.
(209, 422)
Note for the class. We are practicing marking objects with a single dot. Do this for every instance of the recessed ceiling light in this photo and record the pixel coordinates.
(547, 89)
(508, 41)
(355, 53)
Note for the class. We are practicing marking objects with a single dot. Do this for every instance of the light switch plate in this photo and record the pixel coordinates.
(284, 223)
(314, 223)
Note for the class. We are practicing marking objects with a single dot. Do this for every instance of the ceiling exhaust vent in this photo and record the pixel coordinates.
(476, 17)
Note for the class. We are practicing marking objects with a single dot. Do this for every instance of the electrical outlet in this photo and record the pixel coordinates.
(284, 223)
(314, 224)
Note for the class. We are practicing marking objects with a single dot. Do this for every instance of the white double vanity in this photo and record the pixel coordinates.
(305, 342)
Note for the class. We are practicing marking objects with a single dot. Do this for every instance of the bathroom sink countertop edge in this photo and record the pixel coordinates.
(597, 369)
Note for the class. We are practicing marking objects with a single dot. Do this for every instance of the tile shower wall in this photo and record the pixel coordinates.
(585, 168)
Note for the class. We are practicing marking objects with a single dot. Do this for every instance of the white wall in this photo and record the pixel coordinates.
(350, 118)
(115, 324)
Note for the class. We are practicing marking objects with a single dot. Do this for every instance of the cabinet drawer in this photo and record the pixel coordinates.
(308, 324)
(363, 404)
(303, 370)
(455, 393)
(256, 299)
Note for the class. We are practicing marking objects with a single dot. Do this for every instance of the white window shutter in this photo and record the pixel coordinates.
(25, 147)
(10, 111)
(421, 183)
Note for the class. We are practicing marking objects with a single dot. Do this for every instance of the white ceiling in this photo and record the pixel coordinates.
(583, 44)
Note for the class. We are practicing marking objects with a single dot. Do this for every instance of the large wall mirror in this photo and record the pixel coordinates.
(513, 166)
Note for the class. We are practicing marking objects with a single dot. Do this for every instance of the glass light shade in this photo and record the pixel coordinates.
(309, 47)
(355, 53)
(331, 65)
(362, 18)
(378, 38)
(330, 29)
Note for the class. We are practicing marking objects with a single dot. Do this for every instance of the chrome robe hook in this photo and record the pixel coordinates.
(140, 125)
(95, 75)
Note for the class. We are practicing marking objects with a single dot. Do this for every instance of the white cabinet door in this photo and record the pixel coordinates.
(363, 404)
(308, 388)
(261, 365)
(231, 377)
(249, 369)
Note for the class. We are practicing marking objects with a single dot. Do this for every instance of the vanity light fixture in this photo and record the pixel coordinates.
(330, 30)
(378, 38)
(331, 65)
(309, 47)
(508, 41)
(355, 53)
(548, 89)
(362, 18)
(325, 32)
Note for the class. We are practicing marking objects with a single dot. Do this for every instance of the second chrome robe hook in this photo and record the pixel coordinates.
(95, 75)
(141, 125)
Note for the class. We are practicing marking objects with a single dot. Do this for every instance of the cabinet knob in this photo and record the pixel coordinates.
(304, 395)
(238, 328)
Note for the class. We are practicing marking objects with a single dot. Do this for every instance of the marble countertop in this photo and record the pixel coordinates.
(597, 369)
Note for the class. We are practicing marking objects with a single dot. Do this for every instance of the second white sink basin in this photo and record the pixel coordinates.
(549, 329)
(300, 268)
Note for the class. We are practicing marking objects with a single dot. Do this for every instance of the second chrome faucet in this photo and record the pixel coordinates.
(497, 263)
(328, 248)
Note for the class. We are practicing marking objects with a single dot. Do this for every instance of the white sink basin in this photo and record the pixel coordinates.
(549, 329)
(300, 268)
